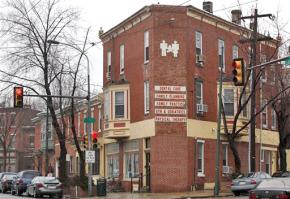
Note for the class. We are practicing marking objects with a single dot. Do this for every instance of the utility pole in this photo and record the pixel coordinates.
(254, 39)
(46, 142)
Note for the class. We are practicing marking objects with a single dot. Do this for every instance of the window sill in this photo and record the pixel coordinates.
(129, 179)
(200, 175)
(146, 62)
(199, 64)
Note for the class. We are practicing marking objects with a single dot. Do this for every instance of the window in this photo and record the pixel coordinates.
(131, 158)
(45, 131)
(146, 46)
(274, 119)
(268, 161)
(225, 154)
(245, 109)
(235, 51)
(31, 140)
(109, 63)
(99, 119)
(106, 105)
(122, 57)
(96, 164)
(262, 155)
(264, 114)
(112, 156)
(263, 59)
(221, 52)
(146, 97)
(229, 101)
(198, 92)
(200, 157)
(198, 43)
(119, 104)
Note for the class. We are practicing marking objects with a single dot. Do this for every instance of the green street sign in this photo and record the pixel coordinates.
(287, 61)
(89, 120)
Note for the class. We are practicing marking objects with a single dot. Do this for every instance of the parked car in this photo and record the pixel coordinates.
(2, 175)
(272, 188)
(21, 181)
(243, 184)
(41, 186)
(279, 174)
(6, 182)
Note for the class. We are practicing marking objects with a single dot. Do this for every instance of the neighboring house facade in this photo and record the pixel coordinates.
(72, 157)
(20, 142)
(161, 70)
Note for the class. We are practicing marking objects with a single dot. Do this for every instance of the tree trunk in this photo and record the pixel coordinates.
(4, 157)
(62, 162)
(235, 152)
(283, 158)
(82, 165)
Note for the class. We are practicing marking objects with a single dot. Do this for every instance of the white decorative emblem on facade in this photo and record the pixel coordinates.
(167, 48)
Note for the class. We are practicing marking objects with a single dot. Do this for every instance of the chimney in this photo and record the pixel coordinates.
(207, 6)
(101, 31)
(236, 15)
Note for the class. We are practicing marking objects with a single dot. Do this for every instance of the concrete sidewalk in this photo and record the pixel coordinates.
(182, 195)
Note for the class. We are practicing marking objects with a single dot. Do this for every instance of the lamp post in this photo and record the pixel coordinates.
(88, 113)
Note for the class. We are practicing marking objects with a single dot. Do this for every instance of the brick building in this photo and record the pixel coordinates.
(72, 156)
(17, 134)
(161, 69)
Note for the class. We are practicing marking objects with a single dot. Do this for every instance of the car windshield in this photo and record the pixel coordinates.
(29, 175)
(273, 183)
(49, 180)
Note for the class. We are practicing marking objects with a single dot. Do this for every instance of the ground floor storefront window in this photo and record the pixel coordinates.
(131, 154)
(112, 160)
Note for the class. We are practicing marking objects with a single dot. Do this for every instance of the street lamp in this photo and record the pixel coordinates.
(88, 112)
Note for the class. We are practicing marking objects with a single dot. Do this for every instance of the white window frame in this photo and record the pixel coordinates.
(114, 154)
(124, 104)
(198, 36)
(107, 101)
(221, 51)
(100, 118)
(233, 99)
(134, 151)
(265, 111)
(273, 119)
(227, 153)
(235, 51)
(201, 91)
(122, 58)
(262, 155)
(146, 45)
(200, 173)
(146, 97)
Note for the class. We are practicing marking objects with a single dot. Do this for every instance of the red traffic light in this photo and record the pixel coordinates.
(95, 135)
(18, 97)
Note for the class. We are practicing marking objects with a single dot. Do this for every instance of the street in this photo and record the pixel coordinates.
(9, 196)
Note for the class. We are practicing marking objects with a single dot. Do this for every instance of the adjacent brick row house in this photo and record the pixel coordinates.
(160, 76)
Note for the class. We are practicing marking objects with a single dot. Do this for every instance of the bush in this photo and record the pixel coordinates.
(81, 181)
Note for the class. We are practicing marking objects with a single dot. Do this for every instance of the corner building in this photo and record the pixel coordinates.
(161, 68)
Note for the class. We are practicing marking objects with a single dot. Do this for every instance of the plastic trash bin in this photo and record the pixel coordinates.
(101, 187)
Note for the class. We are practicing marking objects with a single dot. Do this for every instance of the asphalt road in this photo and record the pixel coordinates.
(9, 196)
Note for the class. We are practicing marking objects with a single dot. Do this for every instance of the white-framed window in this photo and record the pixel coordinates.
(200, 157)
(221, 54)
(228, 95)
(198, 43)
(245, 109)
(99, 119)
(268, 161)
(131, 154)
(273, 119)
(107, 105)
(122, 58)
(263, 59)
(146, 97)
(79, 123)
(264, 114)
(199, 91)
(235, 51)
(43, 130)
(119, 104)
(146, 46)
(262, 155)
(225, 154)
(109, 64)
(112, 160)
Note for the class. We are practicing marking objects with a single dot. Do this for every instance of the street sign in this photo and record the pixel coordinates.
(287, 61)
(89, 120)
(90, 156)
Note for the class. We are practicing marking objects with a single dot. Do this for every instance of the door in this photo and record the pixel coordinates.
(147, 169)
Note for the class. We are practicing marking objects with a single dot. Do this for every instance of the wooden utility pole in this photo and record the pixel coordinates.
(254, 39)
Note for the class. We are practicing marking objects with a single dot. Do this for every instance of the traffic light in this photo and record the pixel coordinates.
(18, 97)
(238, 72)
(95, 139)
(85, 141)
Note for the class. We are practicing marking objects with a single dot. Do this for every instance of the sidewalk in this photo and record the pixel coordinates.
(182, 195)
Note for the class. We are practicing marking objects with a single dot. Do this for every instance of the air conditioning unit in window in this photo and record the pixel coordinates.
(108, 75)
(201, 108)
(227, 169)
(200, 59)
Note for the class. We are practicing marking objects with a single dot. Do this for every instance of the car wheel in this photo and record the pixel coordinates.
(237, 193)
(12, 192)
(3, 191)
(34, 194)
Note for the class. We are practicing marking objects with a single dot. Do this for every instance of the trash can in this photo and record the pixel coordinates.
(101, 187)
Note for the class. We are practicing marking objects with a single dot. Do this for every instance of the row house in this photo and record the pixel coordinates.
(17, 138)
(160, 78)
(43, 119)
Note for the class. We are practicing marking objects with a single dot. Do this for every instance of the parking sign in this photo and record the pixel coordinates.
(90, 156)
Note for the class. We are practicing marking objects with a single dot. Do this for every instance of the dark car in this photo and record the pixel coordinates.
(6, 182)
(272, 188)
(41, 186)
(279, 174)
(23, 179)
(243, 184)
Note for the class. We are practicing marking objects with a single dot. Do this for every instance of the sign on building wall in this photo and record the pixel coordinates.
(169, 48)
(170, 103)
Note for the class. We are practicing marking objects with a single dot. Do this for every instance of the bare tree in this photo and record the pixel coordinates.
(28, 25)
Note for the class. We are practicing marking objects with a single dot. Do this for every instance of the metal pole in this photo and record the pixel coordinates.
(217, 168)
(46, 142)
(89, 134)
(261, 123)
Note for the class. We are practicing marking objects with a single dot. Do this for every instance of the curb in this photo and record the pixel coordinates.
(207, 196)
